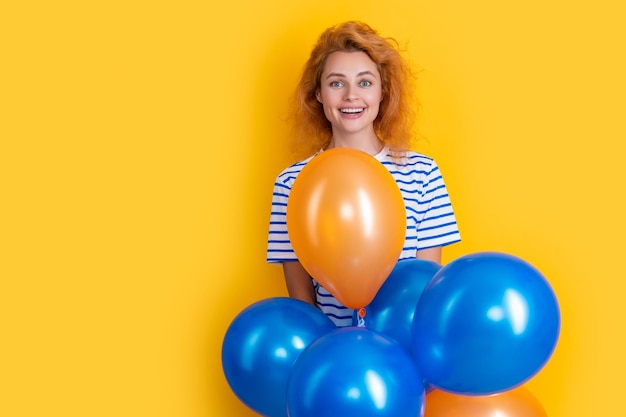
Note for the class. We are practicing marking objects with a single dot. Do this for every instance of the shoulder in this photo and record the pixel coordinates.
(288, 175)
(408, 161)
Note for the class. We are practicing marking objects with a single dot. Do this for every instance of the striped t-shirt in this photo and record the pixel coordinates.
(429, 217)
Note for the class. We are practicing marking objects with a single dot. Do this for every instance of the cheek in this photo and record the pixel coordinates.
(326, 109)
(376, 97)
(379, 95)
(329, 100)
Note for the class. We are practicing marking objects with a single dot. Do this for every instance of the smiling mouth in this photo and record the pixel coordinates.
(352, 110)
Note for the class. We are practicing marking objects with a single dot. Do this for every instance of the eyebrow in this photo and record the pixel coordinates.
(337, 74)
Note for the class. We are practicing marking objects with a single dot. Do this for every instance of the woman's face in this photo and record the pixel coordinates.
(350, 92)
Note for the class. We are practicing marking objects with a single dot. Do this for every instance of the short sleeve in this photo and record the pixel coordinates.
(437, 225)
(279, 247)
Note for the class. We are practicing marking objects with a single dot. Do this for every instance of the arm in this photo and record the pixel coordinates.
(430, 254)
(299, 283)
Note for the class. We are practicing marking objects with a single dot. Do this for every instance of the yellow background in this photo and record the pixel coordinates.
(140, 141)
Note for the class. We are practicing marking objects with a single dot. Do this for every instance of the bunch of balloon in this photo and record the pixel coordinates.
(470, 332)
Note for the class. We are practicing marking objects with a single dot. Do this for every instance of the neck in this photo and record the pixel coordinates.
(370, 143)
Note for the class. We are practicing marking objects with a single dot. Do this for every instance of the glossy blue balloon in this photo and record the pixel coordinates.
(391, 311)
(355, 372)
(261, 345)
(486, 323)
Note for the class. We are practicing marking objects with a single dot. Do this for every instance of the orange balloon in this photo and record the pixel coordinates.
(518, 402)
(346, 220)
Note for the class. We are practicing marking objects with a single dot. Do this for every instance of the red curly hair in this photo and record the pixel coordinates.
(396, 116)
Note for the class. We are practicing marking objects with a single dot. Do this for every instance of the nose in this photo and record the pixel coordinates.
(349, 93)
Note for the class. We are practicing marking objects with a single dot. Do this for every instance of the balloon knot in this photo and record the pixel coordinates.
(361, 314)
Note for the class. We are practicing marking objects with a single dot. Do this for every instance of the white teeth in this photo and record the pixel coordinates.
(359, 110)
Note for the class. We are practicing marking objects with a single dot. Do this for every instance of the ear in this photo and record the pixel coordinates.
(318, 96)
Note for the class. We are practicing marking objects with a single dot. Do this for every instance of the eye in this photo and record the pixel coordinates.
(365, 83)
(336, 84)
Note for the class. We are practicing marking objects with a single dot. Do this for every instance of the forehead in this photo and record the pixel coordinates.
(349, 63)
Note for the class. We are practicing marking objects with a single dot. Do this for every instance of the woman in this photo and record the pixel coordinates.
(355, 92)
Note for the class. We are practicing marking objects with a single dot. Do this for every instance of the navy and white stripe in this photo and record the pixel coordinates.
(430, 218)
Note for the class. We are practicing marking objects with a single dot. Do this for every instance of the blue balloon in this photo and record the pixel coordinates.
(261, 345)
(355, 372)
(391, 311)
(486, 323)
